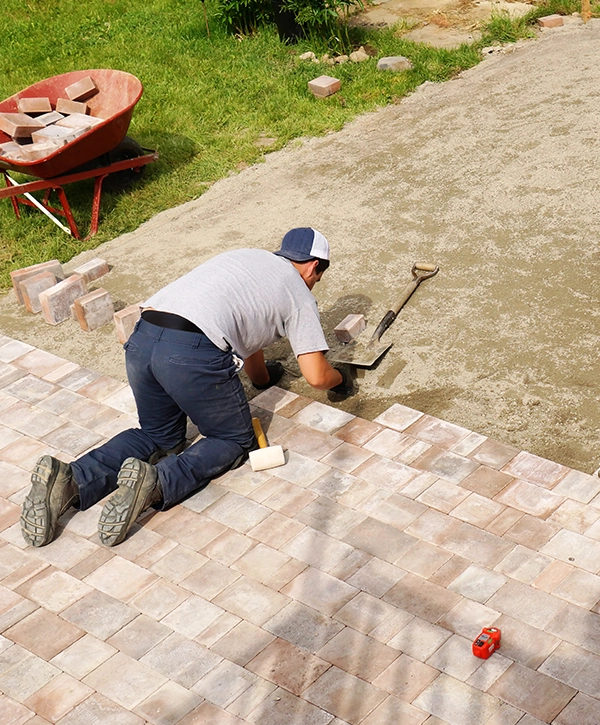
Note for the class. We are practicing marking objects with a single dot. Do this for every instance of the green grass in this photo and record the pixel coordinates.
(207, 100)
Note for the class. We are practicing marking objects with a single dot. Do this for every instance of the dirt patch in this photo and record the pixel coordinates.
(493, 177)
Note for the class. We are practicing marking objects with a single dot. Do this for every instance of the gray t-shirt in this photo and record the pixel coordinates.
(245, 300)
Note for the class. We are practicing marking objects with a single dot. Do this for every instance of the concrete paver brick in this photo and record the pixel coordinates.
(93, 269)
(551, 21)
(288, 666)
(168, 704)
(81, 89)
(66, 106)
(31, 287)
(125, 321)
(57, 300)
(93, 309)
(19, 275)
(324, 86)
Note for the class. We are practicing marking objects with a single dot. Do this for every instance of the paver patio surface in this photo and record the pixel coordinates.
(344, 587)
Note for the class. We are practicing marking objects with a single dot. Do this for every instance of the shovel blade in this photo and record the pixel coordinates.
(362, 355)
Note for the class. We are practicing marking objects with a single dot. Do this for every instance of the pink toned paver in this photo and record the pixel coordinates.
(345, 587)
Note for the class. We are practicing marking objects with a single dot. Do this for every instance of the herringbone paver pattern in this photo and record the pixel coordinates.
(343, 588)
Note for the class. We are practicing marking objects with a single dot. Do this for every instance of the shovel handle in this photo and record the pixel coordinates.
(420, 271)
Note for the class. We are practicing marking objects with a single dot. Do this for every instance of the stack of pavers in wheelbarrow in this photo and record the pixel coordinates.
(38, 129)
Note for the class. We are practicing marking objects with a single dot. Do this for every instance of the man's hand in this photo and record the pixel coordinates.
(347, 387)
(275, 370)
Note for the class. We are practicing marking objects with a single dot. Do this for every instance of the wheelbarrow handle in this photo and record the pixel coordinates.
(420, 271)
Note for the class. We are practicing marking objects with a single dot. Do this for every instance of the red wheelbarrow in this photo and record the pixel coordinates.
(103, 152)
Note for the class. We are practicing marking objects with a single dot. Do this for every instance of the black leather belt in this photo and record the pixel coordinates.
(169, 320)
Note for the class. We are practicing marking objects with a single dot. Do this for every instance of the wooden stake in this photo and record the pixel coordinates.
(586, 10)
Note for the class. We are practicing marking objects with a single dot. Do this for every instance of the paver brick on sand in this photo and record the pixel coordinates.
(324, 598)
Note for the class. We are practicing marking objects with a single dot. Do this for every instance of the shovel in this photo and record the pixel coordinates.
(366, 354)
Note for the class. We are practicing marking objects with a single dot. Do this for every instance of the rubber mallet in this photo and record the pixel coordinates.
(266, 456)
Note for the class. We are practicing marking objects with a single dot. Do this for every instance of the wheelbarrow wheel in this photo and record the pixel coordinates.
(129, 148)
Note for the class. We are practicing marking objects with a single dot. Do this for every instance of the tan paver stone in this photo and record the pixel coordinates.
(576, 549)
(261, 562)
(365, 612)
(358, 654)
(242, 481)
(224, 683)
(168, 704)
(178, 563)
(322, 417)
(66, 551)
(83, 656)
(468, 618)
(99, 556)
(100, 709)
(394, 710)
(493, 454)
(579, 587)
(346, 457)
(415, 450)
(508, 715)
(422, 598)
(552, 576)
(136, 681)
(350, 564)
(216, 629)
(300, 470)
(443, 496)
(578, 486)
(467, 445)
(92, 415)
(99, 614)
(437, 432)
(54, 590)
(12, 479)
(9, 514)
(530, 605)
(538, 695)
(288, 666)
(65, 369)
(376, 577)
(477, 583)
(532, 532)
(477, 510)
(24, 452)
(419, 638)
(303, 626)
(523, 564)
(594, 531)
(38, 362)
(122, 400)
(456, 702)
(237, 512)
(389, 443)
(101, 388)
(274, 399)
(310, 442)
(329, 517)
(508, 518)
(12, 349)
(433, 526)
(455, 658)
(423, 559)
(406, 677)
(58, 697)
(13, 608)
(276, 425)
(13, 713)
(489, 671)
(276, 530)
(317, 549)
(382, 472)
(43, 633)
(156, 551)
(479, 546)
(243, 642)
(30, 389)
(13, 560)
(582, 710)
(60, 402)
(575, 516)
(319, 590)
(251, 698)
(29, 420)
(120, 578)
(251, 600)
(281, 706)
(575, 667)
(379, 539)
(420, 483)
(285, 574)
(192, 616)
(181, 659)
(486, 481)
(81, 523)
(536, 470)
(390, 508)
(139, 636)
(209, 579)
(398, 417)
(358, 431)
(449, 571)
(524, 643)
(578, 626)
(228, 546)
(72, 439)
(346, 696)
(286, 498)
(27, 676)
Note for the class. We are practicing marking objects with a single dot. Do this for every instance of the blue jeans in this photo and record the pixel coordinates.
(174, 374)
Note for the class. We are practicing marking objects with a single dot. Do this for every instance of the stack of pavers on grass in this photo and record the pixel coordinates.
(38, 130)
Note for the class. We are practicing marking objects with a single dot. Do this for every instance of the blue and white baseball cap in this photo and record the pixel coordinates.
(303, 244)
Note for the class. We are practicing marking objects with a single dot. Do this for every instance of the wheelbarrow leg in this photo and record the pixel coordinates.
(67, 210)
(13, 199)
(96, 204)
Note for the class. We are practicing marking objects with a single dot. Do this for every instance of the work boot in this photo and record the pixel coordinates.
(53, 490)
(139, 488)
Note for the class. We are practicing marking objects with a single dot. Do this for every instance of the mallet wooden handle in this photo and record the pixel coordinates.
(258, 432)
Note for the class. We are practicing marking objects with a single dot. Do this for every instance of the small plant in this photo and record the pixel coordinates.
(502, 28)
(244, 17)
